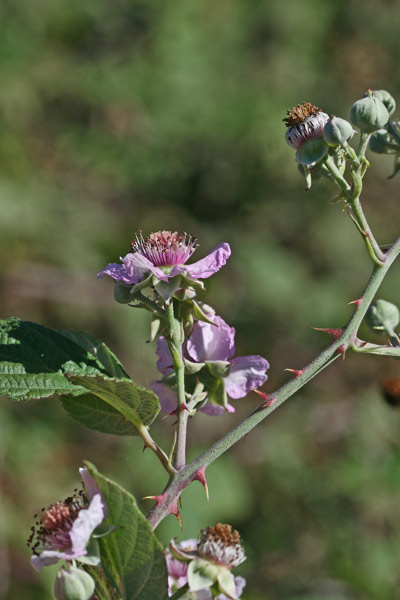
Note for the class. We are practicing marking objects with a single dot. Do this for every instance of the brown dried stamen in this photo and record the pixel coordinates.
(300, 113)
(55, 515)
(223, 533)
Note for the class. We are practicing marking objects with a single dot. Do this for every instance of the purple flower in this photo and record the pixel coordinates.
(213, 345)
(65, 528)
(164, 254)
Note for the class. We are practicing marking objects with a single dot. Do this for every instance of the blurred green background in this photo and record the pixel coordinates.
(138, 114)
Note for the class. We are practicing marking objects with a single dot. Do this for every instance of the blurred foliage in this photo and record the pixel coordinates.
(138, 114)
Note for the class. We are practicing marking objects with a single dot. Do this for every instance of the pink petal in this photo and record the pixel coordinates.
(210, 264)
(168, 398)
(164, 363)
(91, 488)
(84, 525)
(211, 342)
(247, 373)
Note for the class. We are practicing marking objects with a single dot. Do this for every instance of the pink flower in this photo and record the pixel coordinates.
(65, 528)
(164, 254)
(213, 345)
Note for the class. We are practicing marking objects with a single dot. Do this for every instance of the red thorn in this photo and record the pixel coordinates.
(267, 399)
(296, 372)
(183, 407)
(174, 423)
(200, 475)
(335, 333)
(157, 499)
(342, 350)
(144, 447)
(244, 440)
(357, 302)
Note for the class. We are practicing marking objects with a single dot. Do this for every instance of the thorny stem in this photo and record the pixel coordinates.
(175, 341)
(347, 339)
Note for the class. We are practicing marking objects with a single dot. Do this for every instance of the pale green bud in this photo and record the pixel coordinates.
(387, 99)
(338, 131)
(382, 316)
(73, 584)
(369, 113)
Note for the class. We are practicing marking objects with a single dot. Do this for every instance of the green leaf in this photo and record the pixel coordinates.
(94, 413)
(34, 359)
(138, 405)
(131, 556)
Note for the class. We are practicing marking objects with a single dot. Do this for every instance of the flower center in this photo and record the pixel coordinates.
(221, 545)
(165, 248)
(51, 530)
(300, 113)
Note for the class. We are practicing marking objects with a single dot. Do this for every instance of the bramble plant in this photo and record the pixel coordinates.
(108, 547)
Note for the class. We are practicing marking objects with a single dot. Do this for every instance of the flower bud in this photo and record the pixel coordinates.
(312, 152)
(338, 131)
(73, 584)
(382, 316)
(369, 113)
(387, 99)
(380, 142)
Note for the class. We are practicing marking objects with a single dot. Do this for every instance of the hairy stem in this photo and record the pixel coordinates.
(175, 340)
(347, 339)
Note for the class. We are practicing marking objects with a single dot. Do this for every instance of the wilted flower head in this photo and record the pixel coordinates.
(210, 561)
(63, 530)
(304, 122)
(212, 346)
(164, 254)
(221, 545)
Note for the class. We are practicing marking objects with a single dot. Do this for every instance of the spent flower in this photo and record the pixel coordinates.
(210, 561)
(305, 125)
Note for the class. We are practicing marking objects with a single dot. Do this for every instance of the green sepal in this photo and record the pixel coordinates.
(312, 152)
(145, 283)
(219, 368)
(122, 292)
(200, 314)
(185, 294)
(155, 327)
(166, 289)
(201, 574)
(73, 583)
(226, 582)
(191, 368)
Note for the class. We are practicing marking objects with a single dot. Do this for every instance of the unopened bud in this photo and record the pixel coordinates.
(338, 131)
(387, 99)
(73, 584)
(380, 142)
(369, 113)
(382, 316)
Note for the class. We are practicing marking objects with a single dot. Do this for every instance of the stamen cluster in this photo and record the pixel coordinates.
(221, 545)
(165, 248)
(52, 530)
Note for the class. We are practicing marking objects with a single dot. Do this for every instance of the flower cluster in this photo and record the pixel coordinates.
(205, 565)
(210, 351)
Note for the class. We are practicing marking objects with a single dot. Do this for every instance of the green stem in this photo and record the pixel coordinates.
(150, 443)
(346, 340)
(139, 297)
(175, 341)
(336, 174)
